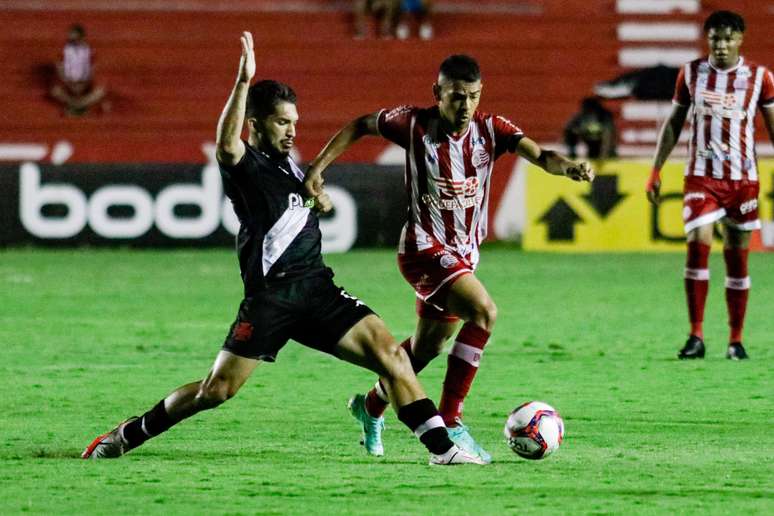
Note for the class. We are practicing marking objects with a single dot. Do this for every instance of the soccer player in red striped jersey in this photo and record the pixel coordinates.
(450, 148)
(722, 92)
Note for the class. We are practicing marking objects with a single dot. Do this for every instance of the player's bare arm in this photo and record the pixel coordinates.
(341, 141)
(229, 146)
(768, 119)
(667, 139)
(553, 162)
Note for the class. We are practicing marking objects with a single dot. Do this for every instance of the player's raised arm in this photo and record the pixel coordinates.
(553, 162)
(229, 147)
(667, 139)
(341, 141)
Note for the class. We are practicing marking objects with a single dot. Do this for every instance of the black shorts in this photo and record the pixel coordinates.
(312, 311)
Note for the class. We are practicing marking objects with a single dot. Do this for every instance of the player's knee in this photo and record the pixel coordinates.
(391, 359)
(485, 315)
(395, 364)
(213, 392)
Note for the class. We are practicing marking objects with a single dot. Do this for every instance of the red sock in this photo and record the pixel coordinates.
(463, 361)
(377, 400)
(737, 290)
(697, 284)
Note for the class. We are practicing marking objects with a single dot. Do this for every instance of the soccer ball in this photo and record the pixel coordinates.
(534, 430)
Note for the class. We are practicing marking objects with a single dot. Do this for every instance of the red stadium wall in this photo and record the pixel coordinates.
(169, 68)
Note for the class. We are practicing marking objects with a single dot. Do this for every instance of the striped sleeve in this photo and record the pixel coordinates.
(395, 125)
(682, 96)
(506, 135)
(766, 98)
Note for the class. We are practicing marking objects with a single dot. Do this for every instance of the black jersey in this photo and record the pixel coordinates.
(279, 235)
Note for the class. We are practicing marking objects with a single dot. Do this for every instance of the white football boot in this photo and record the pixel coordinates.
(109, 445)
(456, 456)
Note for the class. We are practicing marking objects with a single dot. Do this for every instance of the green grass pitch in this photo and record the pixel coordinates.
(91, 337)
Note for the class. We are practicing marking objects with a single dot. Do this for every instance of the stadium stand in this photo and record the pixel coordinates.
(169, 66)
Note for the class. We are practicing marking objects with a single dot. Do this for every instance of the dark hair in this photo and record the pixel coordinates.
(77, 27)
(263, 96)
(728, 19)
(460, 68)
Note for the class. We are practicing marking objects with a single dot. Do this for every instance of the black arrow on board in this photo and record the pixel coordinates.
(560, 219)
(604, 195)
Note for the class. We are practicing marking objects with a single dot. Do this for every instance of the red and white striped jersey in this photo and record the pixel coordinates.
(447, 178)
(724, 102)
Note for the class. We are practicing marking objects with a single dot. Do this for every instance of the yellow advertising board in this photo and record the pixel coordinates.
(613, 213)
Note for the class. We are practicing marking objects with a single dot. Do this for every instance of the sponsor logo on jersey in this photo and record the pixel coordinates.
(296, 201)
(725, 100)
(455, 203)
(453, 188)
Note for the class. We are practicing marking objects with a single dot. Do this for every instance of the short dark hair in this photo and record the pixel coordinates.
(729, 19)
(263, 96)
(460, 67)
(77, 27)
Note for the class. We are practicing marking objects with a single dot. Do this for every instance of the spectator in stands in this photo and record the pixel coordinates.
(385, 12)
(594, 126)
(422, 11)
(75, 88)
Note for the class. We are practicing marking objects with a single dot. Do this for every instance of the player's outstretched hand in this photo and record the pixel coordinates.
(580, 171)
(653, 187)
(247, 61)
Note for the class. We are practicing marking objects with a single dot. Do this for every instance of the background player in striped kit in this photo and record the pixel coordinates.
(721, 178)
(450, 153)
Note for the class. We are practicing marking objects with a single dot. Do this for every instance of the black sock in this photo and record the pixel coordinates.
(422, 418)
(151, 424)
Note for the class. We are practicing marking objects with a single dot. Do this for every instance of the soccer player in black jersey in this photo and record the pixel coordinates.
(288, 290)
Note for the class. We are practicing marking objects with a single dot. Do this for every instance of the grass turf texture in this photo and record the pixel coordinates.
(91, 337)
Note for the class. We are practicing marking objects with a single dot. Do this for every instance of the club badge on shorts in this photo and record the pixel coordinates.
(448, 261)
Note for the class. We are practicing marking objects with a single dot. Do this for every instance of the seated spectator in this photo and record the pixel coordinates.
(593, 126)
(75, 88)
(385, 12)
(421, 11)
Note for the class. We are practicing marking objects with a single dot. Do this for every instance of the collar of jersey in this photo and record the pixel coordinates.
(732, 69)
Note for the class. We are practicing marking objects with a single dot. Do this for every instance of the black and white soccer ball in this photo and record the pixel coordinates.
(534, 430)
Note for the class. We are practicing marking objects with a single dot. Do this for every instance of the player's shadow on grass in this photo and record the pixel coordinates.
(44, 453)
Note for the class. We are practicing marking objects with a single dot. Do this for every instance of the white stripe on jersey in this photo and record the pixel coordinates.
(735, 138)
(458, 176)
(716, 129)
(433, 170)
(282, 233)
(700, 164)
(416, 208)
